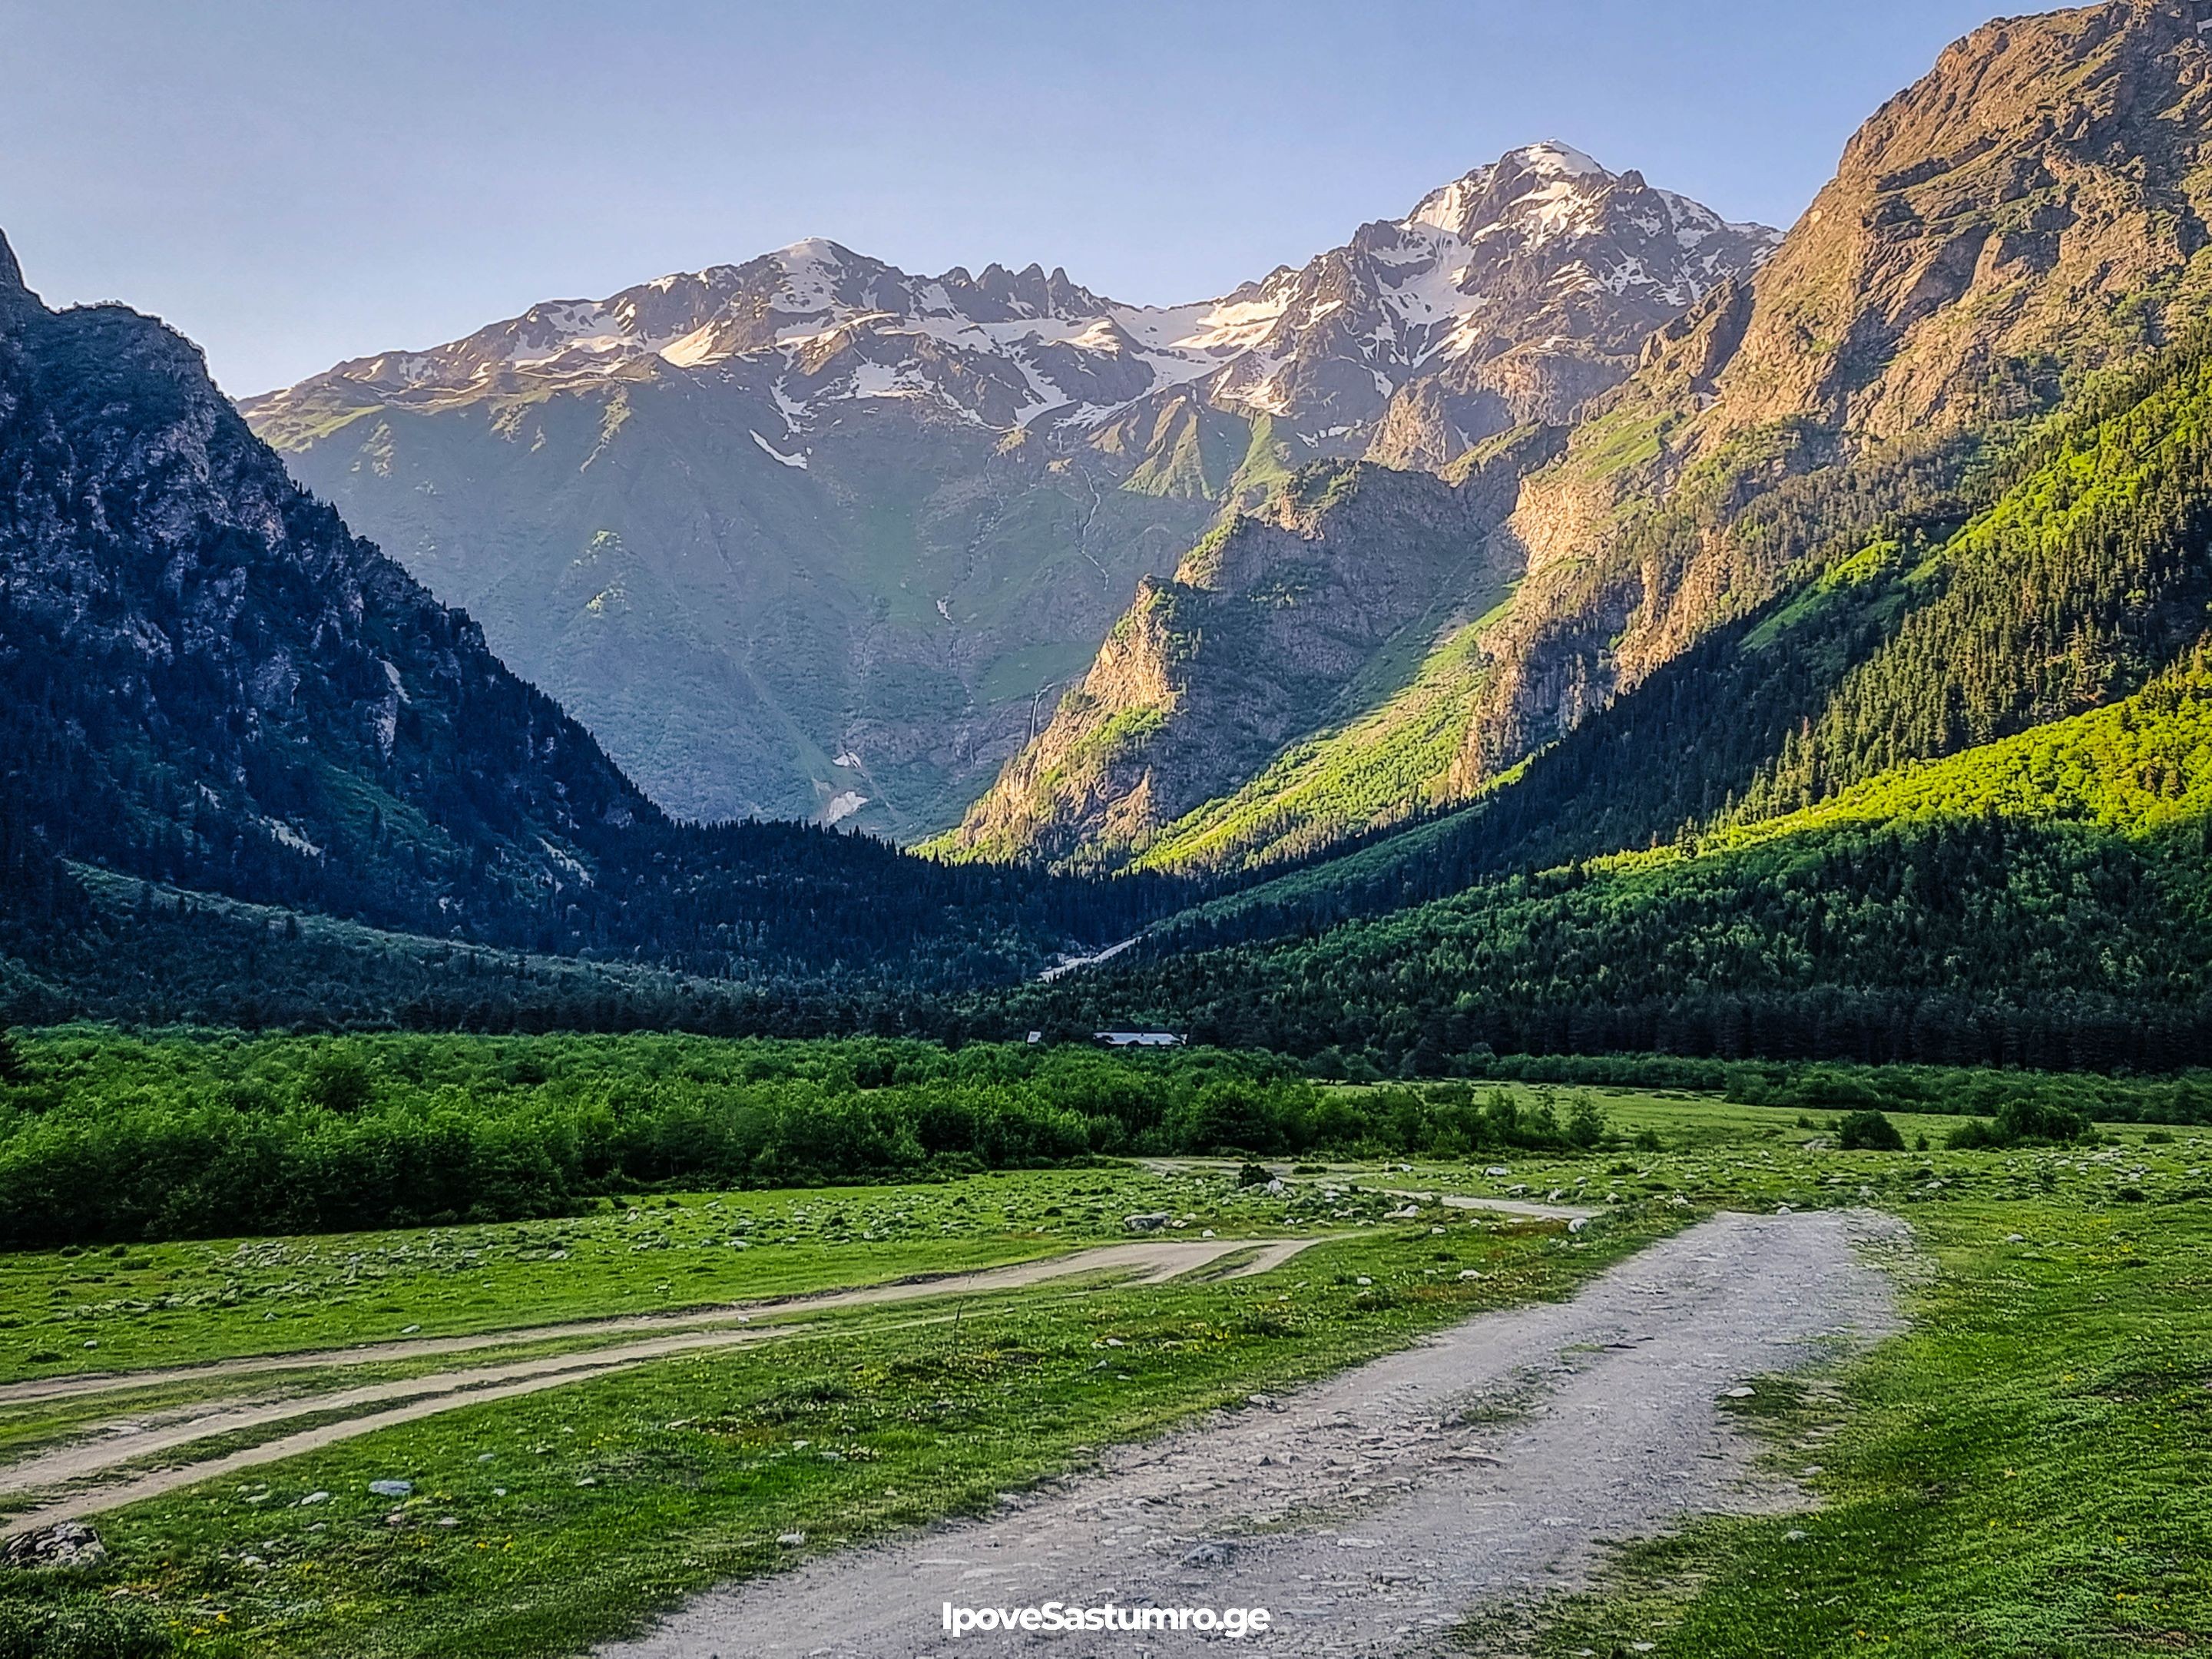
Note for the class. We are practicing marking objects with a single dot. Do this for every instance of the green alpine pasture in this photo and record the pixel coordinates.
(2036, 1424)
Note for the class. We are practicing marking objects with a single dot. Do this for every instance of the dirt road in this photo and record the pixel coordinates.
(1140, 1261)
(126, 1438)
(1369, 1513)
(1284, 1173)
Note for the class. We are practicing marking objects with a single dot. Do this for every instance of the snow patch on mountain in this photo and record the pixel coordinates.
(799, 460)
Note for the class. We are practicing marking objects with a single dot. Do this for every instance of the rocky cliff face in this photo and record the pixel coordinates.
(211, 680)
(811, 535)
(1266, 628)
(2029, 214)
(2031, 208)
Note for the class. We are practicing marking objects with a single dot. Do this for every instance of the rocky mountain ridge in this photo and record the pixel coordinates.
(1543, 256)
(1277, 615)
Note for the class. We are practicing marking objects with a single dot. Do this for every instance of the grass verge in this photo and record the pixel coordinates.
(2024, 1475)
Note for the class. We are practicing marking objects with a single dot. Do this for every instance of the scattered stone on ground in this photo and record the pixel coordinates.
(66, 1544)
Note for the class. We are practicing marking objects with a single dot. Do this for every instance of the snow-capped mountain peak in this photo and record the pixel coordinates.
(1555, 159)
(1546, 172)
(1542, 250)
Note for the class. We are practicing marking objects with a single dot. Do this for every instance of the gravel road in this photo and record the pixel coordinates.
(1372, 1512)
(1284, 1173)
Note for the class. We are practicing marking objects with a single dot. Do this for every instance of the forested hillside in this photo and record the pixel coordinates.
(1939, 601)
(2002, 243)
(2042, 900)
(206, 681)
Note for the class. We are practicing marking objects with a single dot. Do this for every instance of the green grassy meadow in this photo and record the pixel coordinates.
(2023, 1473)
(122, 1306)
(2015, 1475)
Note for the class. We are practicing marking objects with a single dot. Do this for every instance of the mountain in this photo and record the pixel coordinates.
(2051, 585)
(811, 536)
(1284, 613)
(1922, 772)
(2018, 229)
(2025, 221)
(207, 680)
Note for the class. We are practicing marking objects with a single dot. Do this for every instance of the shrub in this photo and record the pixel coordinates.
(1586, 1124)
(1228, 1116)
(1869, 1131)
(336, 1080)
(2023, 1119)
(2029, 1119)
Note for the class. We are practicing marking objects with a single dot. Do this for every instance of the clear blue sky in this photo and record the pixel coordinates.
(294, 181)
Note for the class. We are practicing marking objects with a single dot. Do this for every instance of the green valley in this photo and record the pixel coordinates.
(1500, 945)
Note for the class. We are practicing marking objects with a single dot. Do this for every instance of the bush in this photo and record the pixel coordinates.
(336, 1080)
(1586, 1124)
(80, 1626)
(1869, 1131)
(1231, 1117)
(2029, 1119)
(1254, 1174)
(2020, 1120)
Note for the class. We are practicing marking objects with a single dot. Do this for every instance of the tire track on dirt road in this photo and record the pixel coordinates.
(1148, 1261)
(406, 1400)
